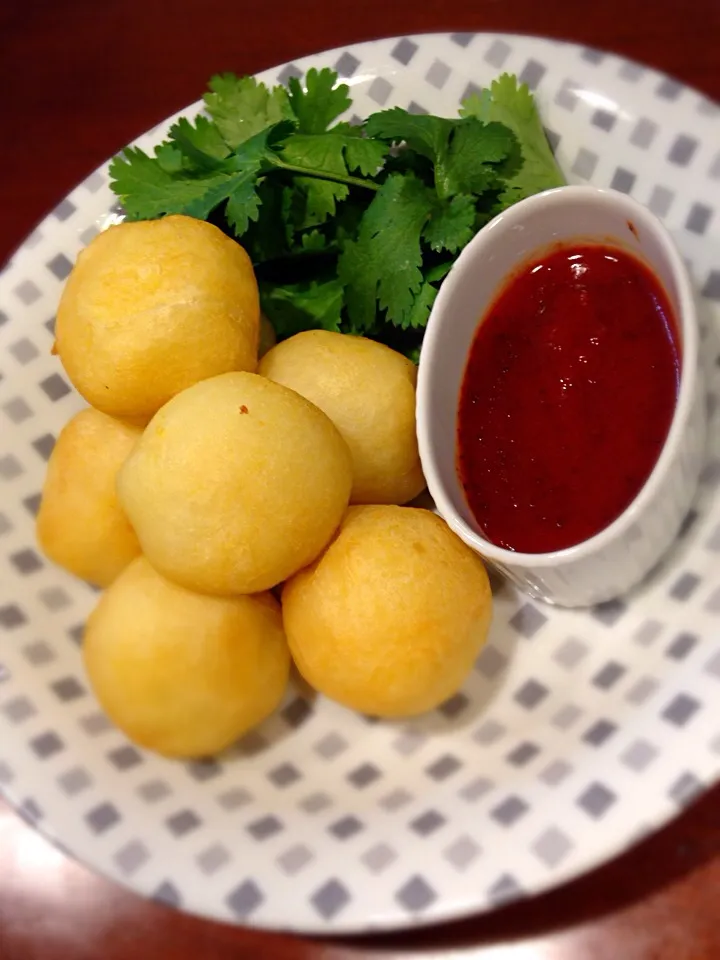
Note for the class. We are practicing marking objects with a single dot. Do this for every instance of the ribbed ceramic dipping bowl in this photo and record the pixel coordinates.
(618, 557)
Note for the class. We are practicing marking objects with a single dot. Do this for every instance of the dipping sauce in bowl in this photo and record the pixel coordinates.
(568, 394)
(560, 404)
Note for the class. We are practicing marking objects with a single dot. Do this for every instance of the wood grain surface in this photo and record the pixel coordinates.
(78, 80)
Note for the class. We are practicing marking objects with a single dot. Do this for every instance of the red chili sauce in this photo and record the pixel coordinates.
(568, 395)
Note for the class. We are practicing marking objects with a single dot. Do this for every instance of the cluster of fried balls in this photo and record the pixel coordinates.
(241, 503)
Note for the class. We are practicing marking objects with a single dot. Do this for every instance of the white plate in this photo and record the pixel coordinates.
(577, 733)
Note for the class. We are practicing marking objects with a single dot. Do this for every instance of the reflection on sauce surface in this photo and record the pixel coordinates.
(568, 394)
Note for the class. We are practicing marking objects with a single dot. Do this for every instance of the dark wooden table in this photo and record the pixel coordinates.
(80, 78)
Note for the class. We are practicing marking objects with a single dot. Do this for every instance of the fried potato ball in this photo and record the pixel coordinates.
(368, 391)
(151, 308)
(81, 525)
(236, 484)
(182, 673)
(390, 619)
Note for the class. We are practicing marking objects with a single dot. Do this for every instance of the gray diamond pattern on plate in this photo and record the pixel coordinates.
(404, 51)
(644, 133)
(606, 678)
(476, 789)
(26, 561)
(364, 775)
(711, 289)
(330, 898)
(567, 718)
(528, 620)
(504, 890)
(443, 767)
(153, 790)
(202, 770)
(604, 119)
(462, 852)
(183, 822)
(552, 847)
(125, 757)
(623, 180)
(639, 755)
(245, 899)
(74, 781)
(102, 818)
(132, 857)
(683, 150)
(531, 694)
(67, 689)
(284, 775)
(17, 410)
(685, 789)
(416, 895)
(532, 73)
(294, 859)
(599, 732)
(597, 800)
(698, 219)
(346, 65)
(379, 857)
(509, 811)
(682, 645)
(681, 710)
(395, 799)
(523, 754)
(555, 773)
(264, 828)
(168, 894)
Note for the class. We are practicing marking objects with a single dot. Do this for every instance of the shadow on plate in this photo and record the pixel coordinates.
(296, 709)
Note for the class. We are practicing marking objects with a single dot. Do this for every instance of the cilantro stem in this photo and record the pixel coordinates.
(325, 175)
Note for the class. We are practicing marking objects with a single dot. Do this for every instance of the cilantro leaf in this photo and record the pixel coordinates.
(464, 152)
(383, 265)
(316, 152)
(419, 313)
(364, 155)
(243, 204)
(451, 224)
(423, 133)
(315, 199)
(242, 106)
(439, 272)
(148, 189)
(313, 242)
(200, 142)
(316, 305)
(269, 237)
(467, 163)
(514, 106)
(361, 153)
(320, 103)
(169, 157)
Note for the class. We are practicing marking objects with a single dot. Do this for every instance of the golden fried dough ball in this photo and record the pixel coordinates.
(236, 484)
(182, 673)
(390, 619)
(81, 525)
(368, 391)
(151, 308)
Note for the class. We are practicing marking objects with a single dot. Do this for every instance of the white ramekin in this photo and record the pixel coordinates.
(617, 558)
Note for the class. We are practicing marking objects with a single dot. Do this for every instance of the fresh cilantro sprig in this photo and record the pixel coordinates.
(350, 227)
